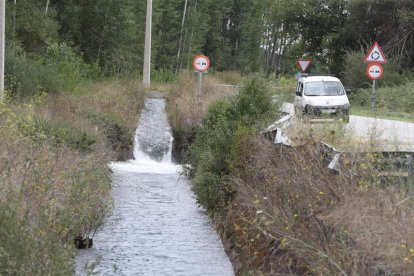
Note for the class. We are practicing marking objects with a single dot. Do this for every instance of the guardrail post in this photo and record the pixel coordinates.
(410, 178)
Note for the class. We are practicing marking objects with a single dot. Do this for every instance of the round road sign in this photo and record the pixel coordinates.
(374, 71)
(201, 63)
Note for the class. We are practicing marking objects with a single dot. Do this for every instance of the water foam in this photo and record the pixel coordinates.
(152, 144)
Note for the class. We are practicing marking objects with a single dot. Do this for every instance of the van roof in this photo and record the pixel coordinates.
(318, 78)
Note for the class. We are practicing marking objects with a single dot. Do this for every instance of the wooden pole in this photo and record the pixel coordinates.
(147, 51)
(2, 44)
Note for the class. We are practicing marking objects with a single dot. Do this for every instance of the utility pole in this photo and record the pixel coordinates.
(181, 37)
(147, 51)
(2, 44)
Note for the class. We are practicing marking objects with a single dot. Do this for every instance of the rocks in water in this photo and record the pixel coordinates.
(82, 243)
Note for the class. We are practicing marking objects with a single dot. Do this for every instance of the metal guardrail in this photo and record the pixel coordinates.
(388, 164)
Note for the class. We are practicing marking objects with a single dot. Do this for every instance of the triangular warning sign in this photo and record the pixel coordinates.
(304, 64)
(375, 54)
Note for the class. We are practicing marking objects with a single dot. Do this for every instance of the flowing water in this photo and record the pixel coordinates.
(156, 227)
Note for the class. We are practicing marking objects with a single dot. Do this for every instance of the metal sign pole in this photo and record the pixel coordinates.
(200, 85)
(373, 96)
(410, 179)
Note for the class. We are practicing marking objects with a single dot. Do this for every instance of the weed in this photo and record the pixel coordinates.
(54, 175)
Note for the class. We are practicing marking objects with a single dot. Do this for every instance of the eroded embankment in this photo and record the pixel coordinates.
(289, 214)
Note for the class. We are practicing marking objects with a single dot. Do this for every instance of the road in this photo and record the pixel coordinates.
(396, 133)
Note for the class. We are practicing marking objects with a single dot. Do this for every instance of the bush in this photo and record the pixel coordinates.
(23, 75)
(225, 123)
(396, 98)
(59, 133)
(228, 77)
(55, 183)
(354, 74)
(18, 239)
(59, 70)
(254, 103)
(163, 76)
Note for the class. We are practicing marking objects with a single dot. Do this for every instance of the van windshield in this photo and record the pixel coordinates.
(324, 88)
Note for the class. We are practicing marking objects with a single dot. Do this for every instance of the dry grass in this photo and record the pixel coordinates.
(53, 191)
(293, 216)
(186, 107)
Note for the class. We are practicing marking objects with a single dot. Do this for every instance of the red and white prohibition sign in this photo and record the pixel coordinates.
(374, 71)
(201, 63)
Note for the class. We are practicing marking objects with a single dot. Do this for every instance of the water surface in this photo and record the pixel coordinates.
(156, 228)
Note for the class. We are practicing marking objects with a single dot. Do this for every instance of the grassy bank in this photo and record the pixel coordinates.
(290, 215)
(279, 210)
(395, 103)
(55, 187)
(186, 109)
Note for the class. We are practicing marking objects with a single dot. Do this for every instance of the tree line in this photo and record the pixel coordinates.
(244, 35)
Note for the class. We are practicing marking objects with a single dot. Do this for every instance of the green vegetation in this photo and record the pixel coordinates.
(223, 125)
(279, 209)
(245, 35)
(392, 102)
(68, 111)
(55, 187)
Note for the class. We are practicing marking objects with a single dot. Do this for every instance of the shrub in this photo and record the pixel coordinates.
(57, 132)
(254, 103)
(225, 123)
(23, 75)
(55, 183)
(59, 70)
(396, 98)
(354, 74)
(163, 76)
(18, 239)
(229, 77)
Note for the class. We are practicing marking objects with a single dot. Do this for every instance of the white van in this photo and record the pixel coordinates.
(321, 96)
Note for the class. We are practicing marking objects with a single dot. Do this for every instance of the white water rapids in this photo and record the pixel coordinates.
(156, 227)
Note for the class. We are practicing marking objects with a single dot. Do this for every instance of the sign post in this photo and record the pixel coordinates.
(201, 63)
(374, 70)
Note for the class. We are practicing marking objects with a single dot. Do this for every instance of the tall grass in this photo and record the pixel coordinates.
(293, 215)
(280, 211)
(55, 181)
(186, 107)
(388, 99)
(225, 121)
(60, 69)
